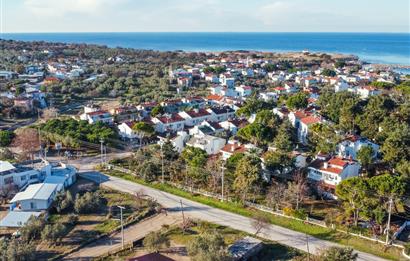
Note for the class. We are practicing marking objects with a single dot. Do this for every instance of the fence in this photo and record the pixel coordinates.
(308, 220)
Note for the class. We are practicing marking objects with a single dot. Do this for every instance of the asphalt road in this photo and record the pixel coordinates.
(199, 211)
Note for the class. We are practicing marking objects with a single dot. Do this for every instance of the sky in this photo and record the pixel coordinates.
(205, 16)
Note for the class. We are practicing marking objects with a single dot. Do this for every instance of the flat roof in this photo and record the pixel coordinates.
(17, 218)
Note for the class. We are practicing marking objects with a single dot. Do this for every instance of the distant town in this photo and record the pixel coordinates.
(124, 154)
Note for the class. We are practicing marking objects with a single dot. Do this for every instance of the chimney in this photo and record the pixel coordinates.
(196, 110)
(325, 165)
(233, 148)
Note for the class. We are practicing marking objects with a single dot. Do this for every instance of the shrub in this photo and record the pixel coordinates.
(32, 229)
(90, 202)
(154, 241)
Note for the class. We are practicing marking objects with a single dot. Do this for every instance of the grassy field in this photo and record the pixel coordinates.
(360, 244)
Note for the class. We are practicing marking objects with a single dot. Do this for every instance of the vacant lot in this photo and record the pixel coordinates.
(90, 226)
(179, 239)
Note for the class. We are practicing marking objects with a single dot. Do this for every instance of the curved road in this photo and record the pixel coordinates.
(199, 211)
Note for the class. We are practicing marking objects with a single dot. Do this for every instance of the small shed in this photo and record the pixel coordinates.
(16, 219)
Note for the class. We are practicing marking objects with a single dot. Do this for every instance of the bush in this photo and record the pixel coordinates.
(300, 213)
(72, 219)
(337, 254)
(32, 229)
(16, 249)
(6, 137)
(54, 233)
(90, 202)
(154, 241)
(407, 249)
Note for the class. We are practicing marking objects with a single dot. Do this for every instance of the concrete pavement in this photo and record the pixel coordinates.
(203, 212)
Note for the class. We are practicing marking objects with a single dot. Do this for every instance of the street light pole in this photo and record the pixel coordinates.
(162, 162)
(223, 182)
(102, 158)
(388, 220)
(122, 227)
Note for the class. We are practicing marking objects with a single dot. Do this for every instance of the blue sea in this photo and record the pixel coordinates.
(389, 48)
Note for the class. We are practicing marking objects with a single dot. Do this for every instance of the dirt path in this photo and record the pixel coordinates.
(131, 233)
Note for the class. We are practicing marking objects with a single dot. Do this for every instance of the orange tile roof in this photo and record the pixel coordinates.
(233, 148)
(310, 120)
(214, 97)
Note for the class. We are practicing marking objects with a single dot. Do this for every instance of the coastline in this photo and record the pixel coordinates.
(372, 48)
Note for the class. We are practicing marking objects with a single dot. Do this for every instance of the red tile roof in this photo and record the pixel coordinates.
(174, 118)
(310, 120)
(332, 170)
(196, 113)
(214, 97)
(233, 148)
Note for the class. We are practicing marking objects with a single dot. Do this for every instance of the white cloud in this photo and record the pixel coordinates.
(63, 7)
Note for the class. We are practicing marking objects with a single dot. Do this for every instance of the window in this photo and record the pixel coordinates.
(33, 205)
(33, 176)
(23, 177)
(8, 180)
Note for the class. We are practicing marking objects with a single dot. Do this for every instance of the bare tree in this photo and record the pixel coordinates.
(214, 167)
(260, 222)
(28, 141)
(276, 195)
(297, 190)
(48, 114)
(7, 191)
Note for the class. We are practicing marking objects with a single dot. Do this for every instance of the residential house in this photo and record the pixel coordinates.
(219, 114)
(178, 140)
(366, 91)
(208, 143)
(19, 176)
(172, 122)
(350, 146)
(35, 197)
(97, 116)
(125, 130)
(233, 125)
(231, 148)
(330, 172)
(195, 116)
(243, 91)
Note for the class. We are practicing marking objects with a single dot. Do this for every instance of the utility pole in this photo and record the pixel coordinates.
(122, 227)
(102, 158)
(388, 220)
(307, 246)
(162, 163)
(182, 212)
(223, 182)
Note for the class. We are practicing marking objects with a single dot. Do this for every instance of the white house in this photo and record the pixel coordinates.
(169, 123)
(178, 140)
(332, 172)
(350, 146)
(302, 121)
(366, 91)
(341, 86)
(233, 125)
(17, 176)
(208, 143)
(243, 91)
(125, 130)
(96, 116)
(268, 96)
(195, 116)
(36, 197)
(231, 148)
(219, 114)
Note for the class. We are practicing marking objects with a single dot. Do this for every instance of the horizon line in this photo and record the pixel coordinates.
(200, 32)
